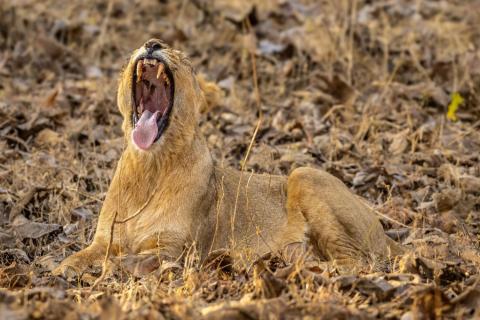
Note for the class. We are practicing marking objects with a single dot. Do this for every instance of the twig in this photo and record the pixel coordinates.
(331, 111)
(107, 254)
(218, 214)
(26, 198)
(139, 210)
(383, 215)
(103, 29)
(353, 14)
(18, 140)
(466, 292)
(255, 132)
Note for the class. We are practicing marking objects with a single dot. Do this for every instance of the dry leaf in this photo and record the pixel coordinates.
(24, 228)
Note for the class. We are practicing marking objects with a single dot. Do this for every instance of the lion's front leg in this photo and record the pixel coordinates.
(107, 231)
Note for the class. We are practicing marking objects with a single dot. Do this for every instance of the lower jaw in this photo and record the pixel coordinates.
(162, 124)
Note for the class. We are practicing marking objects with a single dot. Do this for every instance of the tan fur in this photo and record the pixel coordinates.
(194, 202)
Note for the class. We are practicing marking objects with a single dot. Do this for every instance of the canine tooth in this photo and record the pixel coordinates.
(139, 70)
(160, 70)
(140, 106)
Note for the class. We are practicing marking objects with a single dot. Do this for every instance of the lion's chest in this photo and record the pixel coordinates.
(157, 229)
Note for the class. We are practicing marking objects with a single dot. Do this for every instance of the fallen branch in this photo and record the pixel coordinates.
(24, 200)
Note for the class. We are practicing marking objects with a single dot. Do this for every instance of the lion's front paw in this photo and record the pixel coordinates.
(67, 270)
(77, 264)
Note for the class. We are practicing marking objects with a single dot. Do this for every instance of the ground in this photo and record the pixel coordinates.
(384, 95)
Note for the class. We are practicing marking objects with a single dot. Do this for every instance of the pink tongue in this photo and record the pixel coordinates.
(146, 130)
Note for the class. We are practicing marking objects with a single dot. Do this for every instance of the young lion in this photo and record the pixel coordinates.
(167, 194)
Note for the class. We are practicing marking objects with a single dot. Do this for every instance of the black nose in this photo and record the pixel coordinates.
(153, 45)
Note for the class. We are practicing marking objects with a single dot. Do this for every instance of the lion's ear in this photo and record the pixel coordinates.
(211, 92)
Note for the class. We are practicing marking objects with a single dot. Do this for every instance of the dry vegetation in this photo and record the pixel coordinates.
(358, 88)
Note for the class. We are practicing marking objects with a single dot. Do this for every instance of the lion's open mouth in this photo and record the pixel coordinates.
(153, 99)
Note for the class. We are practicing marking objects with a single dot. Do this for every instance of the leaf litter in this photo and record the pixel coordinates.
(364, 90)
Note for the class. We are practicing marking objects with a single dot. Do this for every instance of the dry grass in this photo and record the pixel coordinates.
(360, 89)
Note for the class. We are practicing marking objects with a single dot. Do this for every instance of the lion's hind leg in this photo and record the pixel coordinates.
(342, 228)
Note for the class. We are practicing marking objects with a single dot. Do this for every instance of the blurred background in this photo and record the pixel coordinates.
(382, 94)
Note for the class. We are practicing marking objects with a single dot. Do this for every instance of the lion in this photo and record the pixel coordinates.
(167, 194)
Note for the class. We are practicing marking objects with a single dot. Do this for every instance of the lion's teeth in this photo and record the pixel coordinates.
(151, 61)
(139, 70)
(140, 106)
(160, 70)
